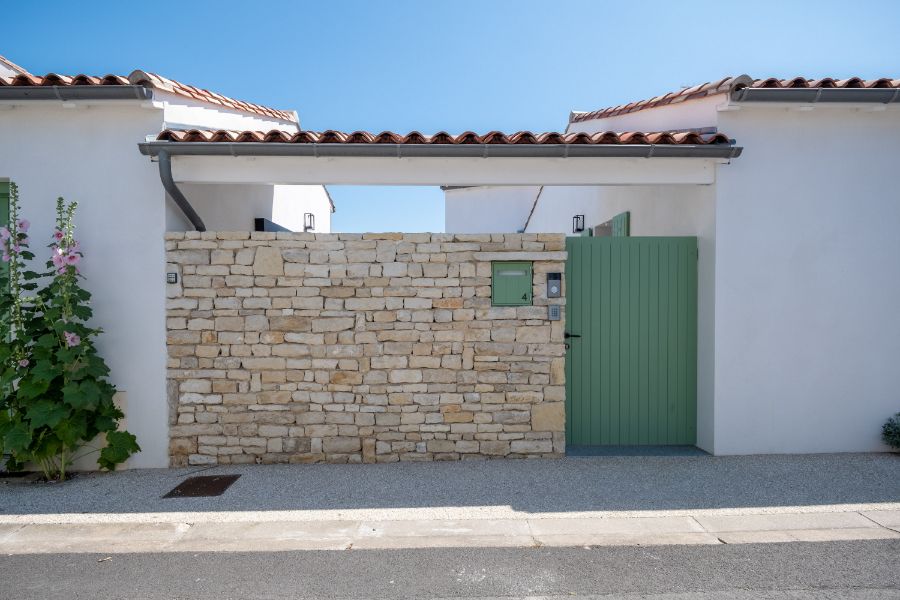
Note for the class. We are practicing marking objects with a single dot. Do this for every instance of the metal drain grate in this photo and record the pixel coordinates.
(202, 487)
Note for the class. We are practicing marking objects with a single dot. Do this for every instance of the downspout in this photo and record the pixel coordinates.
(165, 175)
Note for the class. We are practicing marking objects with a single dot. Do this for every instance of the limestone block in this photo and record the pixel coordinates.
(531, 446)
(333, 324)
(494, 448)
(548, 416)
(332, 445)
(268, 261)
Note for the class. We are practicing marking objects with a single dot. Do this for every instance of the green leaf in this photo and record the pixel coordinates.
(119, 446)
(86, 398)
(72, 431)
(45, 370)
(46, 412)
(17, 439)
(47, 340)
(30, 388)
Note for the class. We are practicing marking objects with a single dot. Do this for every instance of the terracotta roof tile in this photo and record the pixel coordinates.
(149, 80)
(727, 84)
(468, 137)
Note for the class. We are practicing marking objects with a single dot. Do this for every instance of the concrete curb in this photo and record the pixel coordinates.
(196, 535)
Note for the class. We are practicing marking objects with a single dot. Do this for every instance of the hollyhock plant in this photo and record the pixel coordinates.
(55, 396)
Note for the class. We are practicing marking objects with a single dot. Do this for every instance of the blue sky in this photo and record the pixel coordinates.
(451, 65)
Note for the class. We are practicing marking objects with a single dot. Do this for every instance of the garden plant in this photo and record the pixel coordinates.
(890, 432)
(56, 396)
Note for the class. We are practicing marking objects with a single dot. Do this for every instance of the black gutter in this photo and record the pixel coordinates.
(76, 92)
(441, 150)
(816, 95)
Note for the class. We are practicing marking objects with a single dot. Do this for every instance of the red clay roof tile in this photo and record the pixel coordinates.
(468, 137)
(726, 85)
(150, 80)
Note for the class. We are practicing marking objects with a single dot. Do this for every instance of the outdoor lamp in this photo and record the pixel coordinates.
(577, 223)
(309, 222)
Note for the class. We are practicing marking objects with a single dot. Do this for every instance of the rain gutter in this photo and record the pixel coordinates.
(816, 95)
(75, 92)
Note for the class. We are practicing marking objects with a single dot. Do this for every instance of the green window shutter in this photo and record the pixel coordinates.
(621, 225)
(511, 283)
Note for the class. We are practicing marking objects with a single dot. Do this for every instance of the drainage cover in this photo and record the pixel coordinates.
(203, 486)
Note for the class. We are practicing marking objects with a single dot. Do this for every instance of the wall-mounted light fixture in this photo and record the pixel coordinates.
(309, 222)
(577, 223)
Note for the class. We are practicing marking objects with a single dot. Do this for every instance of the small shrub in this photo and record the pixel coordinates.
(890, 432)
(55, 395)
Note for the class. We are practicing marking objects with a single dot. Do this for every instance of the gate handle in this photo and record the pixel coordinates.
(568, 335)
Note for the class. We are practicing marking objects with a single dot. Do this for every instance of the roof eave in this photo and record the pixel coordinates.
(815, 95)
(76, 92)
(442, 150)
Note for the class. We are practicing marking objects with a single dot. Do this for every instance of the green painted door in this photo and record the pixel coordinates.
(631, 376)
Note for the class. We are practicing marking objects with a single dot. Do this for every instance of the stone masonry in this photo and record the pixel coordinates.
(301, 347)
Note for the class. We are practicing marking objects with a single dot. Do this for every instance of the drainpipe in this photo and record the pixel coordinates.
(165, 175)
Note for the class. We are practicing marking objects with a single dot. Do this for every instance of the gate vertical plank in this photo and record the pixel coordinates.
(672, 337)
(615, 342)
(588, 345)
(692, 333)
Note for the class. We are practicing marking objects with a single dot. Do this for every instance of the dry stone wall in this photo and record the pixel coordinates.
(293, 347)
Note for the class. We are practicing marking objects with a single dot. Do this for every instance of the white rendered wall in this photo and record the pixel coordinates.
(291, 202)
(808, 281)
(488, 209)
(90, 155)
(225, 207)
(233, 207)
(185, 113)
(692, 114)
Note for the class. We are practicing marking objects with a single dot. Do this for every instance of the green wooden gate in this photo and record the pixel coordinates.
(631, 376)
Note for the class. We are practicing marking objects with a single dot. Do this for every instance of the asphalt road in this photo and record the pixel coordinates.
(793, 571)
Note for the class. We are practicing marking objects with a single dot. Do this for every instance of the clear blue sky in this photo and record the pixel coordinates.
(452, 65)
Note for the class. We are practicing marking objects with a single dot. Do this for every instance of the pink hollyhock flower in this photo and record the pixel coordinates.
(16, 248)
(72, 339)
(58, 235)
(24, 363)
(4, 233)
(23, 225)
(72, 259)
(6, 257)
(58, 261)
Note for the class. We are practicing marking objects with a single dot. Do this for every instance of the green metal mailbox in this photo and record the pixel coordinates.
(511, 284)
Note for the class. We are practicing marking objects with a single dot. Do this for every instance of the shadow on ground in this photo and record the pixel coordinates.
(571, 484)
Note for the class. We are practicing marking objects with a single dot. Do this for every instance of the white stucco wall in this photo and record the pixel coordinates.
(90, 155)
(290, 202)
(487, 209)
(692, 114)
(233, 207)
(185, 113)
(808, 281)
